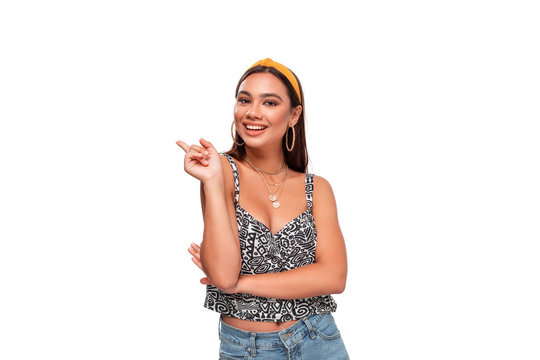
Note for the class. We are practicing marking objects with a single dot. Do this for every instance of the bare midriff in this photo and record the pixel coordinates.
(257, 326)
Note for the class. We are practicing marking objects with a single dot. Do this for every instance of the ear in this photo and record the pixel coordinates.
(296, 112)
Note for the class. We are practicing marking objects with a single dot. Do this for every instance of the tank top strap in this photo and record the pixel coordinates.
(235, 174)
(309, 190)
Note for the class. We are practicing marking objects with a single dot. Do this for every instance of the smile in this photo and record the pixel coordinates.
(254, 129)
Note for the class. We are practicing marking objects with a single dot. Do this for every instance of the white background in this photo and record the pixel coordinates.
(422, 115)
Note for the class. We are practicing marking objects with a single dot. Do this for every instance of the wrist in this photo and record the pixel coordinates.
(214, 183)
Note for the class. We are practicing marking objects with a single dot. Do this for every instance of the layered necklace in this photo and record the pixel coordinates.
(273, 196)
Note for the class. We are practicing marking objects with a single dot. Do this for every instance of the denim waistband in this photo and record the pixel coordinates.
(270, 339)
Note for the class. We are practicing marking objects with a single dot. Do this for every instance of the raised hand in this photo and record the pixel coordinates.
(202, 162)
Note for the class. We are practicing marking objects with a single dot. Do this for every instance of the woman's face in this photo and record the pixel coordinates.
(263, 104)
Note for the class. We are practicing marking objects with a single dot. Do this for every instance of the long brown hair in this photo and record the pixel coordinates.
(297, 159)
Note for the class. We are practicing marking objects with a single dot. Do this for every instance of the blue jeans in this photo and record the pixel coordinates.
(313, 337)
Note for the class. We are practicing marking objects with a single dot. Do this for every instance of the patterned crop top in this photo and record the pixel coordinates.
(263, 252)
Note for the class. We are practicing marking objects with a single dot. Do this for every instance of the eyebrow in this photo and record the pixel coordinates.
(262, 95)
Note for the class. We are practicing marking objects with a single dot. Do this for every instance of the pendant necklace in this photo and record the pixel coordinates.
(272, 196)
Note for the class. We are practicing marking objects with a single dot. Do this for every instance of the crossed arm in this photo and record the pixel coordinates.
(306, 281)
(326, 276)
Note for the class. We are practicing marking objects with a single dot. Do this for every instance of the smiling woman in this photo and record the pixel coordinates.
(260, 111)
(272, 253)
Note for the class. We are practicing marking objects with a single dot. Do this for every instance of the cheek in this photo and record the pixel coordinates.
(237, 113)
(279, 118)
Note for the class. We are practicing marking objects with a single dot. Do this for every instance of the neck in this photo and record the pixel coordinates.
(266, 159)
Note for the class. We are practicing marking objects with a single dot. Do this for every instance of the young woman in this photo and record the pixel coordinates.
(273, 253)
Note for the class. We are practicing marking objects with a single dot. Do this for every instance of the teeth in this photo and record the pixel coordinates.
(253, 127)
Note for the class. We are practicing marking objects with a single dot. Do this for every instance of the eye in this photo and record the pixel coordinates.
(270, 102)
(243, 100)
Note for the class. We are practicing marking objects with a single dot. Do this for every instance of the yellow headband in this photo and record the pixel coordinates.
(282, 69)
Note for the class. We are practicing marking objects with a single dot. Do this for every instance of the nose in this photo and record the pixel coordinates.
(253, 112)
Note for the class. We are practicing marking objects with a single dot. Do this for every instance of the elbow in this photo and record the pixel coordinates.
(226, 284)
(339, 283)
(339, 288)
(222, 276)
(335, 279)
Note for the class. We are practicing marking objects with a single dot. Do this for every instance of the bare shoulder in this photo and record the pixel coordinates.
(321, 183)
(323, 196)
(322, 187)
(226, 166)
(228, 175)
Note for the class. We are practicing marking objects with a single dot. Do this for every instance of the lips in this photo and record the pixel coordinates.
(254, 132)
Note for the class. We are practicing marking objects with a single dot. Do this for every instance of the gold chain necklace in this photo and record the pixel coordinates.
(264, 171)
(272, 197)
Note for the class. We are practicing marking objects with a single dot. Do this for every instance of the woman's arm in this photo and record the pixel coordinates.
(220, 248)
(326, 276)
(219, 254)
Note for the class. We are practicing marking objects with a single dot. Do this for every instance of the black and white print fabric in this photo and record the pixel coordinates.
(291, 247)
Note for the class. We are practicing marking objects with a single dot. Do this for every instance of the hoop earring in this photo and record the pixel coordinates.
(287, 139)
(232, 124)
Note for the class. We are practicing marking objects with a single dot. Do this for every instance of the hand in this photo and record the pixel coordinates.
(202, 162)
(195, 251)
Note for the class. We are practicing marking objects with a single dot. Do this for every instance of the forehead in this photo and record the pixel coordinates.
(258, 83)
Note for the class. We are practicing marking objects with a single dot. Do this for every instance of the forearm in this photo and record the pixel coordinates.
(220, 251)
(306, 281)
